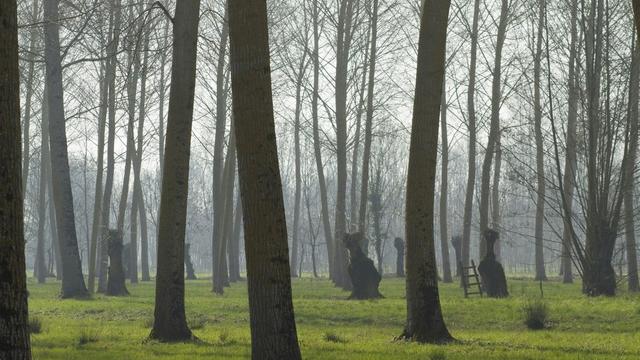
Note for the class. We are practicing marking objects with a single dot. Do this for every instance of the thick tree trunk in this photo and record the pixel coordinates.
(629, 171)
(444, 185)
(537, 119)
(170, 322)
(273, 329)
(570, 163)
(322, 185)
(218, 156)
(72, 280)
(471, 173)
(494, 128)
(116, 282)
(14, 324)
(424, 315)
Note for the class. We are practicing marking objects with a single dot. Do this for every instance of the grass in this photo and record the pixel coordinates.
(331, 327)
(536, 314)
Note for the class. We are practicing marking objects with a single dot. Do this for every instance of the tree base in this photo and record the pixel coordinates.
(437, 337)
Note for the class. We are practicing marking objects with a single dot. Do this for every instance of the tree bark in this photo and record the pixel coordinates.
(41, 270)
(424, 315)
(444, 189)
(298, 171)
(170, 323)
(72, 280)
(273, 329)
(14, 324)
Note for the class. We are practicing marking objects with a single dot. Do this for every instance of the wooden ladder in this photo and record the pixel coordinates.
(469, 280)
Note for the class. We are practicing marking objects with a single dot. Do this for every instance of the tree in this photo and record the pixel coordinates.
(273, 329)
(537, 119)
(72, 280)
(636, 15)
(218, 158)
(570, 163)
(424, 315)
(471, 124)
(494, 127)
(444, 186)
(630, 167)
(14, 332)
(170, 322)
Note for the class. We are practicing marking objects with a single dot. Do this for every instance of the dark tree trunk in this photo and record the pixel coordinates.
(364, 276)
(14, 325)
(494, 282)
(72, 280)
(115, 283)
(444, 185)
(424, 315)
(170, 323)
(273, 329)
(399, 245)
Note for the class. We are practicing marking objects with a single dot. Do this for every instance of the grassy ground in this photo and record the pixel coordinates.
(330, 327)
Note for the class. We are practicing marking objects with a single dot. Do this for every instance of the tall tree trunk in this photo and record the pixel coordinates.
(570, 163)
(344, 36)
(234, 246)
(33, 35)
(14, 324)
(103, 246)
(495, 195)
(322, 185)
(494, 128)
(144, 240)
(537, 120)
(444, 185)
(273, 329)
(471, 108)
(72, 280)
(298, 171)
(221, 272)
(97, 204)
(636, 15)
(53, 228)
(630, 235)
(170, 322)
(366, 156)
(41, 270)
(424, 315)
(218, 154)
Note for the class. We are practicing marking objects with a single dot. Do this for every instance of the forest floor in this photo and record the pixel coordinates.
(331, 327)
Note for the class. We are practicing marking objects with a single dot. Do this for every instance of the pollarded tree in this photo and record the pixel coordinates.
(424, 315)
(273, 329)
(14, 334)
(170, 323)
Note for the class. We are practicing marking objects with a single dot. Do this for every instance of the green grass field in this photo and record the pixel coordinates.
(331, 327)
